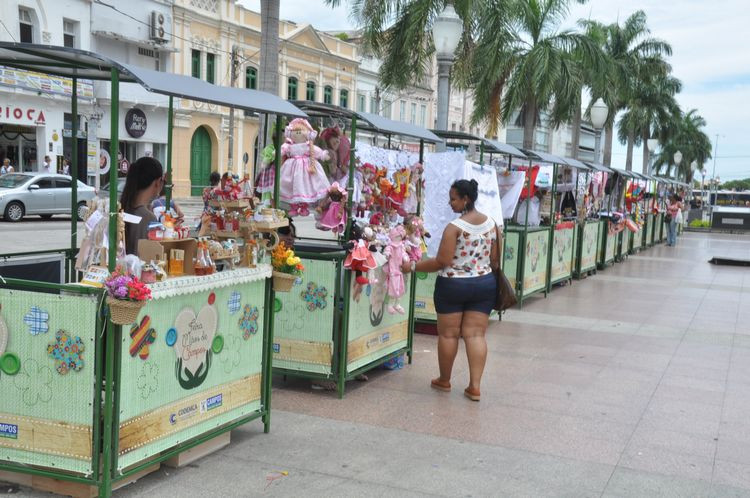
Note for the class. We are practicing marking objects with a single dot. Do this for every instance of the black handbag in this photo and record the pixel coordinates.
(506, 294)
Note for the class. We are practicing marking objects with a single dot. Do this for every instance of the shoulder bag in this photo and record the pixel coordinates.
(506, 294)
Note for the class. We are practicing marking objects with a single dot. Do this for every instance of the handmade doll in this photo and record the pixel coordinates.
(411, 201)
(397, 256)
(400, 189)
(360, 260)
(332, 210)
(415, 232)
(303, 181)
(264, 180)
(338, 147)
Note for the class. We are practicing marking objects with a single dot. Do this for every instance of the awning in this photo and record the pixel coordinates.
(576, 163)
(624, 172)
(319, 109)
(387, 126)
(82, 64)
(544, 156)
(490, 146)
(599, 167)
(504, 148)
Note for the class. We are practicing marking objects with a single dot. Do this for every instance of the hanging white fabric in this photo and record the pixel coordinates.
(510, 185)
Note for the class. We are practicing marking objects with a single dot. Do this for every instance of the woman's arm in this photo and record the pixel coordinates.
(445, 254)
(495, 251)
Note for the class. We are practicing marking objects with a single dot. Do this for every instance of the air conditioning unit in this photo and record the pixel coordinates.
(161, 25)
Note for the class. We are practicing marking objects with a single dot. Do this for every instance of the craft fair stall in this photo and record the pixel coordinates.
(97, 392)
(648, 211)
(634, 206)
(568, 192)
(467, 160)
(611, 217)
(352, 311)
(589, 236)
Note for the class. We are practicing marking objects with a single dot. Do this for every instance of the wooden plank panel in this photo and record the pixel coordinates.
(45, 436)
(377, 340)
(318, 353)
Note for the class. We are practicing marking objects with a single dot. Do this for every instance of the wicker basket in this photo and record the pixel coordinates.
(283, 282)
(124, 312)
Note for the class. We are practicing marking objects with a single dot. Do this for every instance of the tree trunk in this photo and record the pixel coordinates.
(529, 122)
(608, 137)
(629, 156)
(646, 153)
(269, 46)
(576, 134)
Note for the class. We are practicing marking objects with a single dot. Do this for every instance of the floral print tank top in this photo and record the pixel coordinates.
(473, 249)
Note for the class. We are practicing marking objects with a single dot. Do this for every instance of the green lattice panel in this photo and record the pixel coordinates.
(424, 305)
(151, 383)
(625, 236)
(589, 246)
(638, 240)
(38, 391)
(609, 255)
(511, 253)
(562, 254)
(650, 229)
(303, 327)
(535, 263)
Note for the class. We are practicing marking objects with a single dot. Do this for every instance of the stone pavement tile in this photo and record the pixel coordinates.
(680, 393)
(662, 345)
(732, 474)
(362, 489)
(542, 475)
(692, 382)
(681, 422)
(669, 440)
(641, 360)
(650, 329)
(733, 450)
(629, 483)
(709, 337)
(591, 406)
(528, 401)
(615, 327)
(724, 491)
(742, 340)
(737, 431)
(666, 462)
(686, 367)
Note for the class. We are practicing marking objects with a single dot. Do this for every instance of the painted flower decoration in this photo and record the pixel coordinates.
(231, 355)
(314, 296)
(37, 320)
(234, 302)
(34, 380)
(249, 321)
(148, 379)
(67, 351)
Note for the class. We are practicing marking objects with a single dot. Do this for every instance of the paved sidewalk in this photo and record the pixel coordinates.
(633, 382)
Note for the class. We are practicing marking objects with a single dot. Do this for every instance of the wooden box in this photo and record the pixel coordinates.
(158, 250)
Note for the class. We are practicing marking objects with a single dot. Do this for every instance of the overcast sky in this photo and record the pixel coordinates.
(710, 41)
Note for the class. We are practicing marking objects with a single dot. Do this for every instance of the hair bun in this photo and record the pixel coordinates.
(474, 183)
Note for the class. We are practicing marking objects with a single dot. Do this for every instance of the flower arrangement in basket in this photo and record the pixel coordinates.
(286, 268)
(126, 295)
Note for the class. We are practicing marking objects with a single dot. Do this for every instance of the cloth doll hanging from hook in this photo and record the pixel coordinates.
(303, 180)
(397, 256)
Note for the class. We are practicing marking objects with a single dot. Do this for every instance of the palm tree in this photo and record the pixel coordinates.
(627, 46)
(686, 135)
(269, 46)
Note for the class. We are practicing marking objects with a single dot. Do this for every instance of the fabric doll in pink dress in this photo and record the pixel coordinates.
(397, 256)
(303, 180)
(332, 210)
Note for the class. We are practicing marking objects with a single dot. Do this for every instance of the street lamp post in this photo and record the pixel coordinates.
(677, 160)
(652, 144)
(446, 33)
(598, 113)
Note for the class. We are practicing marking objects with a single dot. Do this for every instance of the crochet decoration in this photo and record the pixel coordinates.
(37, 319)
(67, 351)
(249, 321)
(314, 296)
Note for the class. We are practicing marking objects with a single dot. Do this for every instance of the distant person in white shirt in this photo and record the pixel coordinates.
(47, 162)
(7, 168)
(3, 168)
(66, 167)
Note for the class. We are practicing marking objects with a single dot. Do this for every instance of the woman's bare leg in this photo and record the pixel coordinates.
(449, 330)
(473, 328)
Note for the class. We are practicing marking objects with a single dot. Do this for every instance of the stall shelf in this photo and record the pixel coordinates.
(94, 406)
(424, 305)
(589, 239)
(345, 335)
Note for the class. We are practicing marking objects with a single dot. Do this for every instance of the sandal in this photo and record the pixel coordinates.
(472, 394)
(441, 385)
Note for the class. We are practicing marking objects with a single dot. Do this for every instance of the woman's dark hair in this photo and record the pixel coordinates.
(469, 189)
(141, 175)
(214, 179)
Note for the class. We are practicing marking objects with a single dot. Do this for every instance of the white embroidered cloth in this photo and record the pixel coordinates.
(192, 284)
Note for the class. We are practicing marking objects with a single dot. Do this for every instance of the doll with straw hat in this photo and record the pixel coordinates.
(303, 180)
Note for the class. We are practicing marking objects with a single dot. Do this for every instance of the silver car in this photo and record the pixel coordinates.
(43, 194)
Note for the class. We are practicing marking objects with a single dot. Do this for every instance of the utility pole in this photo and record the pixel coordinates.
(234, 63)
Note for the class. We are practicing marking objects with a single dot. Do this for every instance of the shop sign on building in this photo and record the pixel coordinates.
(46, 83)
(135, 123)
(22, 115)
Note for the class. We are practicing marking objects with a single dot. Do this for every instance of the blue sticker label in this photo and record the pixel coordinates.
(211, 403)
(419, 304)
(385, 337)
(9, 431)
(276, 347)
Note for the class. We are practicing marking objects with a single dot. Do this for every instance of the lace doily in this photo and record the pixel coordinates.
(193, 284)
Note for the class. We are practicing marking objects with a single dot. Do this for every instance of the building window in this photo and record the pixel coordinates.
(251, 78)
(25, 26)
(387, 109)
(422, 115)
(291, 88)
(413, 118)
(344, 99)
(196, 63)
(328, 95)
(70, 28)
(361, 103)
(402, 110)
(373, 105)
(210, 67)
(311, 91)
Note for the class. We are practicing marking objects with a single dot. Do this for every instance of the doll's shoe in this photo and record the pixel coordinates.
(391, 310)
(472, 394)
(293, 210)
(303, 211)
(399, 309)
(362, 280)
(441, 385)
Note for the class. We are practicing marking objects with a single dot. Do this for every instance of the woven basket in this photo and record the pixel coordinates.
(283, 282)
(124, 312)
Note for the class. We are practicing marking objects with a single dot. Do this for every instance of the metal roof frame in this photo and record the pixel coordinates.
(386, 126)
(490, 146)
(544, 157)
(575, 163)
(599, 167)
(75, 63)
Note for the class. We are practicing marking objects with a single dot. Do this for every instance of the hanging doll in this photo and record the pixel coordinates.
(411, 201)
(331, 212)
(397, 256)
(415, 233)
(400, 189)
(303, 181)
(265, 178)
(360, 259)
(338, 147)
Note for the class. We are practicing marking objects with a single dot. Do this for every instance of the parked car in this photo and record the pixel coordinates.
(43, 194)
(104, 190)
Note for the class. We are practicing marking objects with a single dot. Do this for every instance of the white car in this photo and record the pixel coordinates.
(43, 194)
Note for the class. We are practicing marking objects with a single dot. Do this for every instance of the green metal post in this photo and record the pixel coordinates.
(350, 185)
(552, 224)
(267, 370)
(74, 171)
(343, 332)
(170, 125)
(413, 276)
(481, 153)
(114, 146)
(522, 242)
(277, 163)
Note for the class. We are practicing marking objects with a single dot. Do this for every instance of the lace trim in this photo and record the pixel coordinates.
(193, 284)
(480, 229)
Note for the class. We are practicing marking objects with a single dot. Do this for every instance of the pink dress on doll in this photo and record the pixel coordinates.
(298, 184)
(396, 253)
(334, 218)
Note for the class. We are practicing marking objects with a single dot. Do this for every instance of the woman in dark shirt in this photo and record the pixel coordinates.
(142, 185)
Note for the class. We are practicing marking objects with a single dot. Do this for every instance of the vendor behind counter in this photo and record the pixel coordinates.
(144, 182)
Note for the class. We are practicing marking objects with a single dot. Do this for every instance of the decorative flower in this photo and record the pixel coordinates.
(249, 321)
(126, 287)
(67, 351)
(37, 320)
(314, 296)
(231, 355)
(34, 380)
(234, 302)
(284, 260)
(148, 380)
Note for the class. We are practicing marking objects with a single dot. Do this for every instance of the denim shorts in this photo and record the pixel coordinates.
(456, 295)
